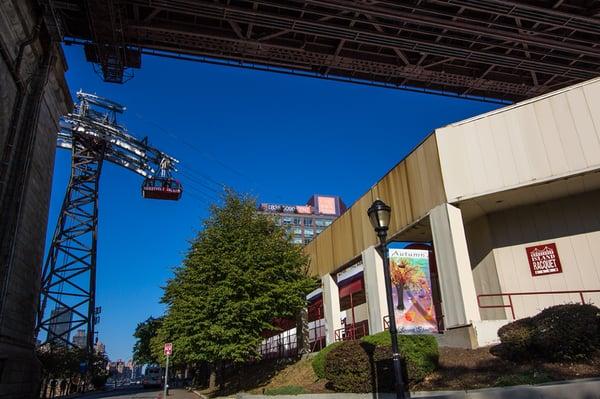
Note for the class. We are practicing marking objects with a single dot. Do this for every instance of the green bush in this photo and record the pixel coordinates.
(567, 332)
(348, 367)
(366, 365)
(558, 333)
(318, 362)
(517, 338)
(286, 390)
(420, 351)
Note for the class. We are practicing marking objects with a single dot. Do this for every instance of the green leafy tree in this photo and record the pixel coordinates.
(144, 332)
(240, 273)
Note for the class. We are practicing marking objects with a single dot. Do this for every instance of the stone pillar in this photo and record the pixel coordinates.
(459, 298)
(331, 307)
(374, 288)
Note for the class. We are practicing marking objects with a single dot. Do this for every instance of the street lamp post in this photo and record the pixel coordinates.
(379, 215)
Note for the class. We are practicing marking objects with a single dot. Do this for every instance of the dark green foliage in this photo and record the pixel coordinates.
(318, 362)
(562, 332)
(420, 351)
(240, 273)
(348, 367)
(144, 332)
(366, 366)
(517, 338)
(60, 362)
(98, 381)
(286, 390)
(567, 332)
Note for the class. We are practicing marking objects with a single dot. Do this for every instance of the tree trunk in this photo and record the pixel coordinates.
(400, 292)
(212, 380)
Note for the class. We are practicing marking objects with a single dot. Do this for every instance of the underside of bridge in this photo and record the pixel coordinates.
(493, 49)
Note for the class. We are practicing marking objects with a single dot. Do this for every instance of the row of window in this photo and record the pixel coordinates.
(299, 240)
(288, 220)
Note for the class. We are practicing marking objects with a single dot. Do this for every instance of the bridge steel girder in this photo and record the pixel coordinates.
(500, 49)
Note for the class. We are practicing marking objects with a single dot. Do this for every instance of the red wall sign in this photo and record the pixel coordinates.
(543, 259)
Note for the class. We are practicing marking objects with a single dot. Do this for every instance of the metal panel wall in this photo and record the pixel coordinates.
(573, 224)
(533, 141)
(411, 188)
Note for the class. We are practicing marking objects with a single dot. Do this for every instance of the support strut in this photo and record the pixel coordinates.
(69, 276)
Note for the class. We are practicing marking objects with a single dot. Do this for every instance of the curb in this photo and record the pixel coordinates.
(587, 388)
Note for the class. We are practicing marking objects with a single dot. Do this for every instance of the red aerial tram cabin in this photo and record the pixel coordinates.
(162, 188)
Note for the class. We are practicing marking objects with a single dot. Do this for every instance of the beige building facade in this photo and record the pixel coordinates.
(509, 201)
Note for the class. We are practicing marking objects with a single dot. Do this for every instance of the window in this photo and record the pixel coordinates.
(327, 222)
(308, 221)
(309, 232)
(319, 230)
(297, 240)
(297, 221)
(322, 222)
(286, 220)
(297, 230)
(307, 240)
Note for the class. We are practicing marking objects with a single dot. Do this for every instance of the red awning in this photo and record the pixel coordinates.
(352, 286)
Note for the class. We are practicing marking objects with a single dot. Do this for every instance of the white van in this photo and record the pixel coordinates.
(152, 377)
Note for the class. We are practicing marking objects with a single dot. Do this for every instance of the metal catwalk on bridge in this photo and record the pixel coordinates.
(68, 285)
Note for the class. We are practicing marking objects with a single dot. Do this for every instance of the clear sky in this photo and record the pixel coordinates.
(277, 137)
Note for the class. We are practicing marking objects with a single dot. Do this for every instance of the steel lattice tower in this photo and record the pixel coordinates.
(68, 284)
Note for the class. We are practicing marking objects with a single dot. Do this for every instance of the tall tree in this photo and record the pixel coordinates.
(240, 273)
(144, 332)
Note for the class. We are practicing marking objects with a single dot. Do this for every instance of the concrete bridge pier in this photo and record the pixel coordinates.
(33, 96)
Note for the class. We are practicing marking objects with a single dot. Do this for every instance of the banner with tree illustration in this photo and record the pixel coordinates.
(411, 290)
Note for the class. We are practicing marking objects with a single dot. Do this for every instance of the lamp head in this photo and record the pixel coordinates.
(379, 215)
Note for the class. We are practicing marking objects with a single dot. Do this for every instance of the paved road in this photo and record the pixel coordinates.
(138, 393)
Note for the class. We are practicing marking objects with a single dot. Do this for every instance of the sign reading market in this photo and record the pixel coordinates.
(543, 259)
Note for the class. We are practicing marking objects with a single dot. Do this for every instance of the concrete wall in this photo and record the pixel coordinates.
(26, 180)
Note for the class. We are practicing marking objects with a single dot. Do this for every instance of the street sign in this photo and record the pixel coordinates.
(168, 349)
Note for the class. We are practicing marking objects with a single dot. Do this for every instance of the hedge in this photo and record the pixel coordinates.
(366, 365)
(558, 333)
(318, 362)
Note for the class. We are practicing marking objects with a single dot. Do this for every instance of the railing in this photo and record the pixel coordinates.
(279, 347)
(510, 295)
(352, 331)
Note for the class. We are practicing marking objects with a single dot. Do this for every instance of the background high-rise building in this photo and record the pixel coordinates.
(61, 324)
(80, 339)
(304, 222)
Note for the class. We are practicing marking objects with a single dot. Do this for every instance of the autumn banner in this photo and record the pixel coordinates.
(411, 290)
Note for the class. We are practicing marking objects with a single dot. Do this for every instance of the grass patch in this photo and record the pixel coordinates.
(286, 390)
(530, 378)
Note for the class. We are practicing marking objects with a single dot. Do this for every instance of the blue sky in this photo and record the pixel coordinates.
(277, 137)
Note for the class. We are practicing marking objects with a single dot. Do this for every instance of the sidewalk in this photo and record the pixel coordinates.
(588, 388)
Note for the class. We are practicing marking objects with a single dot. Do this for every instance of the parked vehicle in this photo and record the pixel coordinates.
(152, 377)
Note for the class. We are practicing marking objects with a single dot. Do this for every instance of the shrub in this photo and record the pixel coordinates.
(286, 390)
(517, 338)
(562, 332)
(420, 351)
(348, 367)
(366, 365)
(567, 332)
(318, 362)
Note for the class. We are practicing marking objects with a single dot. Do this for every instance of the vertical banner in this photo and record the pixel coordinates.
(411, 291)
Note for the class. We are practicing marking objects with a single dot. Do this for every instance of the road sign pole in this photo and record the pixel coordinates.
(168, 350)
(166, 378)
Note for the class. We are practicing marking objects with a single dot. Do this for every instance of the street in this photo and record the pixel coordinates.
(139, 393)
